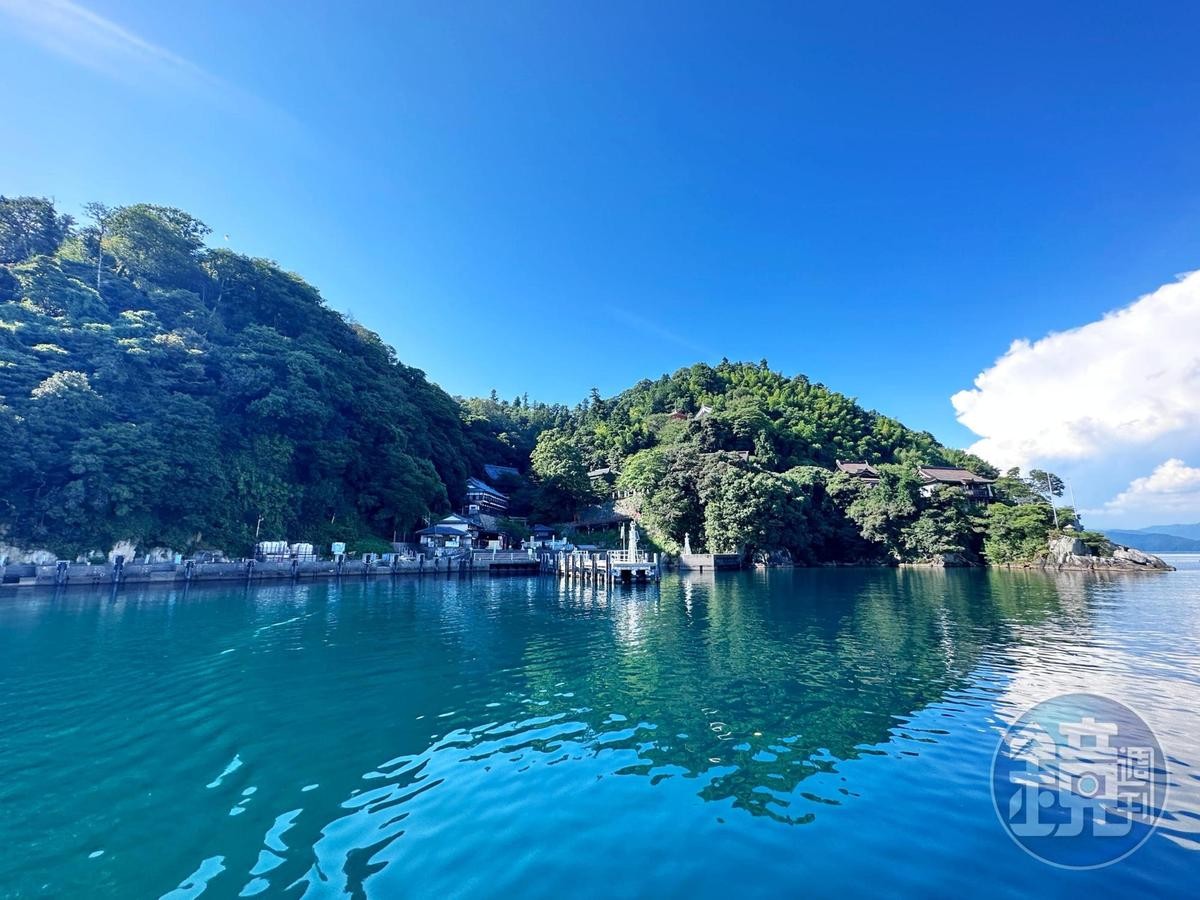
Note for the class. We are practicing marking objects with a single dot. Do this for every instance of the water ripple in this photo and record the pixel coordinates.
(522, 736)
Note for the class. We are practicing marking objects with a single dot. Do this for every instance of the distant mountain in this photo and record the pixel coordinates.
(1153, 542)
(1191, 532)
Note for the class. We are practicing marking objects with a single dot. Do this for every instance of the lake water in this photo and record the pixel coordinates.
(752, 734)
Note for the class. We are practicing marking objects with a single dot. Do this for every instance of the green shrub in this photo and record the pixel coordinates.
(1017, 534)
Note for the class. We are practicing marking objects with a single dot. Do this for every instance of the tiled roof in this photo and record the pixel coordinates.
(857, 468)
(453, 530)
(951, 475)
(495, 472)
(474, 485)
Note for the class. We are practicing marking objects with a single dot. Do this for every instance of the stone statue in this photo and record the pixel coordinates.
(687, 543)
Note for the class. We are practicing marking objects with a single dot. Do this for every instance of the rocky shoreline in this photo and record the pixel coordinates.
(1066, 553)
(1069, 554)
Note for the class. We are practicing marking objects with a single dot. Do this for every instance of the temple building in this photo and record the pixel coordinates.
(976, 487)
(482, 497)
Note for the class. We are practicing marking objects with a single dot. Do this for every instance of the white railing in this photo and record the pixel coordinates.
(625, 556)
(505, 555)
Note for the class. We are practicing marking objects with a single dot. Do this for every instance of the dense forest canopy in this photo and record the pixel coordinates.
(740, 458)
(784, 422)
(156, 390)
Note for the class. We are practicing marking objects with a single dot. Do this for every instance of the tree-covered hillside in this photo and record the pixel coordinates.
(156, 390)
(784, 422)
(740, 459)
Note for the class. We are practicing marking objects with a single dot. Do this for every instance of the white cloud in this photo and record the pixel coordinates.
(654, 329)
(1124, 381)
(88, 39)
(1172, 488)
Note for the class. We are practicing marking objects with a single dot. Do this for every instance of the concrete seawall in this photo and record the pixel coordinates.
(708, 562)
(76, 574)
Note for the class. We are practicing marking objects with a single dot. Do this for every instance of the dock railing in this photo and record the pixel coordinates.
(506, 555)
(604, 565)
(624, 556)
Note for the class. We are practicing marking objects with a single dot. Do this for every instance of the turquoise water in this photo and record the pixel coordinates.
(752, 734)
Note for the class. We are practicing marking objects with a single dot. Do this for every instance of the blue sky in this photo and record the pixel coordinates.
(546, 197)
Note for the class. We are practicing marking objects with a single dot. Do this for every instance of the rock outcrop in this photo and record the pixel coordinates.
(943, 561)
(1069, 553)
(1067, 550)
(18, 555)
(773, 559)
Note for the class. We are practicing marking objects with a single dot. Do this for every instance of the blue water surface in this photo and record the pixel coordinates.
(808, 732)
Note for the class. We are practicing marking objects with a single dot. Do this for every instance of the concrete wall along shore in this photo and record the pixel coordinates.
(590, 566)
(62, 574)
(709, 562)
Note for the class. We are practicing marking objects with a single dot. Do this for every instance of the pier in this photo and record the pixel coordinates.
(605, 566)
(609, 566)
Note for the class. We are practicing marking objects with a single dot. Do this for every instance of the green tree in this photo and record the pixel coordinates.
(746, 510)
(29, 226)
(644, 471)
(1046, 483)
(944, 525)
(882, 511)
(562, 478)
(1014, 488)
(669, 493)
(906, 522)
(204, 391)
(100, 215)
(1017, 533)
(156, 244)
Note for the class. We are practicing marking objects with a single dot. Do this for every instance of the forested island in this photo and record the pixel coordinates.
(157, 391)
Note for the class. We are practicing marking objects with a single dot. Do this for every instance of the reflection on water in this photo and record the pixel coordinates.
(763, 731)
